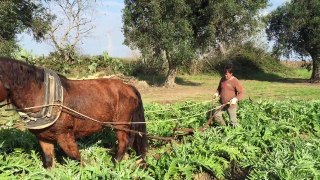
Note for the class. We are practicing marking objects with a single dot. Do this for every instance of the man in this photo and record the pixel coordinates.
(230, 91)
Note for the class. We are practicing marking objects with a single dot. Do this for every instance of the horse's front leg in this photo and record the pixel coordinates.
(48, 150)
(68, 144)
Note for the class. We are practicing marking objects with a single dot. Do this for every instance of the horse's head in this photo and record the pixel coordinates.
(16, 74)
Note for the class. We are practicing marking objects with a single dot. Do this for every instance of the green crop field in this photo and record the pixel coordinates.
(278, 137)
(276, 140)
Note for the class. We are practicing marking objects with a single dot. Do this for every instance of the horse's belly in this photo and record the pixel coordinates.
(86, 129)
(78, 130)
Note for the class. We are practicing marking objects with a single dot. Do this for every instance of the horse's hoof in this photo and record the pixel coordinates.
(142, 163)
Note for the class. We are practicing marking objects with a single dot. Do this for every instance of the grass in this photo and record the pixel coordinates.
(280, 90)
(272, 86)
(292, 85)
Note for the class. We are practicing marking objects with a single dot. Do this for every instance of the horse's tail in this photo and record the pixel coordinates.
(140, 142)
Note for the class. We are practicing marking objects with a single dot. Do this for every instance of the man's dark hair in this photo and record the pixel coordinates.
(228, 68)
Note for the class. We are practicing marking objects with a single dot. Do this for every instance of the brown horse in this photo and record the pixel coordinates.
(109, 101)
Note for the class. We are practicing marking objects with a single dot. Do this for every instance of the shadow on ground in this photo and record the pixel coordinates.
(259, 75)
(248, 70)
(11, 139)
(158, 80)
(262, 76)
(181, 81)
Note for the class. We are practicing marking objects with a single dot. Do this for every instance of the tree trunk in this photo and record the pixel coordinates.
(171, 76)
(170, 79)
(315, 77)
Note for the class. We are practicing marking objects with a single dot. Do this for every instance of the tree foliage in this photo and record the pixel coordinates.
(178, 30)
(296, 27)
(226, 23)
(161, 30)
(17, 16)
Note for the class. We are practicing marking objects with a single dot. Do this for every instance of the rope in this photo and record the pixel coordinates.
(107, 124)
(65, 107)
(114, 123)
(110, 124)
(117, 123)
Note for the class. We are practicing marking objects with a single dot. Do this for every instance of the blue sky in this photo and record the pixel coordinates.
(107, 34)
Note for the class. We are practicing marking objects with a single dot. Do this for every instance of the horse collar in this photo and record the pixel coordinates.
(51, 111)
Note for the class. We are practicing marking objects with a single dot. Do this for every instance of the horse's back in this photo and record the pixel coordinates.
(101, 88)
(102, 98)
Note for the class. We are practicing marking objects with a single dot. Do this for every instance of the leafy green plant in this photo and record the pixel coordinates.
(276, 140)
(27, 56)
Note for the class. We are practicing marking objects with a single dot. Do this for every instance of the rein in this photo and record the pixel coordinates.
(111, 124)
(209, 122)
(107, 124)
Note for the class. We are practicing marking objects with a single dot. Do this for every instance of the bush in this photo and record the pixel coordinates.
(7, 48)
(149, 66)
(248, 61)
(84, 65)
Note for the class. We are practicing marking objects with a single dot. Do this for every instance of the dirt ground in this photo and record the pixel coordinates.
(195, 90)
(178, 93)
(202, 88)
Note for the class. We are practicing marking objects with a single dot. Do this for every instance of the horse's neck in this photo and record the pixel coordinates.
(28, 96)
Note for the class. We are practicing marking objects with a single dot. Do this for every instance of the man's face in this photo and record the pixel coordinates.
(228, 75)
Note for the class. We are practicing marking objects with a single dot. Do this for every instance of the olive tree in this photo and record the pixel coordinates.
(178, 30)
(295, 27)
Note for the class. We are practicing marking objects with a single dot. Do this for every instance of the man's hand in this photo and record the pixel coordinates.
(233, 101)
(216, 95)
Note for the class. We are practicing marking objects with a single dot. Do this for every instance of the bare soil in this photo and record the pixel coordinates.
(196, 90)
(178, 93)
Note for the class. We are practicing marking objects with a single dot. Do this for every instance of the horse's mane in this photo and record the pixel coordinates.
(20, 73)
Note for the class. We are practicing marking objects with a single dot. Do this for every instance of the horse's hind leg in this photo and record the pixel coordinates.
(48, 150)
(68, 144)
(123, 143)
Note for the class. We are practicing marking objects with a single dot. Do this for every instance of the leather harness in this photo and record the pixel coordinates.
(51, 110)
